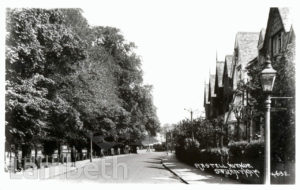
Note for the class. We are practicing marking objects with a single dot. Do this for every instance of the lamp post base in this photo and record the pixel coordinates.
(267, 140)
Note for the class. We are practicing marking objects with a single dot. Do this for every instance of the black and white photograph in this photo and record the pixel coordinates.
(149, 92)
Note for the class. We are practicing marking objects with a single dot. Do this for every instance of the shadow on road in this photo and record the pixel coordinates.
(151, 162)
(156, 167)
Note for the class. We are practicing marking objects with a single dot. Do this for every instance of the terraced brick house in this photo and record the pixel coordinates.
(223, 95)
(278, 42)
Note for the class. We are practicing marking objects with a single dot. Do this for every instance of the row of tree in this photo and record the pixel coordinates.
(65, 78)
(206, 133)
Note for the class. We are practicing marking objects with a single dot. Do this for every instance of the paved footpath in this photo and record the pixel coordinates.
(191, 175)
(53, 170)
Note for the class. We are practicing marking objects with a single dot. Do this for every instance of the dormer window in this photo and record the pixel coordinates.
(276, 43)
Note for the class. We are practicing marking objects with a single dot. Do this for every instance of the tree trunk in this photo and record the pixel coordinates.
(221, 139)
(24, 152)
(227, 134)
(37, 163)
(215, 137)
(238, 130)
(9, 156)
(16, 161)
(251, 130)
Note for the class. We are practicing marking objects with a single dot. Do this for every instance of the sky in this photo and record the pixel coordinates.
(178, 40)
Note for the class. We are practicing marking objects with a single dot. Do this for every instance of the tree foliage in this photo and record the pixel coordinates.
(65, 78)
(283, 119)
(206, 132)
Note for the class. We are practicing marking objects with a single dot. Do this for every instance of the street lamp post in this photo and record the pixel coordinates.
(191, 112)
(267, 78)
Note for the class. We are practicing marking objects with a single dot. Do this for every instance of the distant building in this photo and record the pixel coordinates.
(150, 140)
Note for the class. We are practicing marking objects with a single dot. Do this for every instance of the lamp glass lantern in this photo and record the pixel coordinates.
(267, 77)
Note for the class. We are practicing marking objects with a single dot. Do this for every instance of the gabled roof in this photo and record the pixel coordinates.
(205, 99)
(228, 63)
(246, 44)
(212, 85)
(261, 38)
(206, 93)
(229, 119)
(285, 14)
(219, 72)
(291, 35)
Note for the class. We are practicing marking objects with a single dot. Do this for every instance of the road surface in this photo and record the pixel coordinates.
(131, 168)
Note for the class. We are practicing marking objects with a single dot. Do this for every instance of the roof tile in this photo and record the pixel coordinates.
(247, 42)
(212, 85)
(228, 62)
(219, 72)
(206, 93)
(286, 16)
